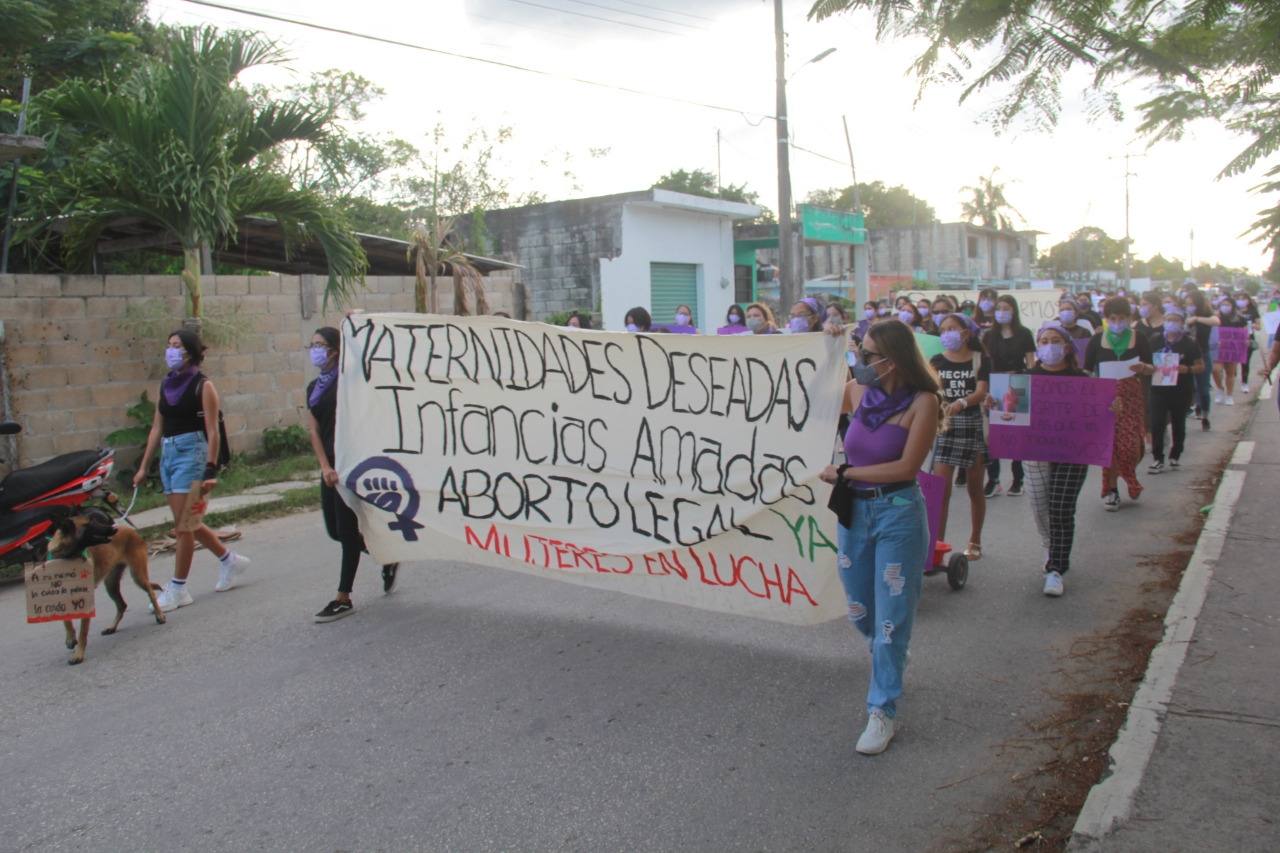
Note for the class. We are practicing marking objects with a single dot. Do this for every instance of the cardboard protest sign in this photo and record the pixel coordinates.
(1071, 421)
(678, 468)
(1233, 345)
(193, 510)
(59, 590)
(1166, 364)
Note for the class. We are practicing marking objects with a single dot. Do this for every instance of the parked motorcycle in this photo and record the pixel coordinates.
(31, 498)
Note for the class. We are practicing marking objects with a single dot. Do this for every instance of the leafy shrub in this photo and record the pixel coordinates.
(563, 317)
(143, 414)
(292, 440)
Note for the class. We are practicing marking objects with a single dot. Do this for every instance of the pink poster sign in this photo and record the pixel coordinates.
(1233, 345)
(1071, 421)
(931, 486)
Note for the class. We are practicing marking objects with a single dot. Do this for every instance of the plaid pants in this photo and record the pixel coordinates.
(1053, 488)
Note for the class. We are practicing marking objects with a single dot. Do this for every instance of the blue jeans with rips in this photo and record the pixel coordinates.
(882, 559)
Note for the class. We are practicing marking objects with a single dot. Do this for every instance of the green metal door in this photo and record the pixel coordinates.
(670, 286)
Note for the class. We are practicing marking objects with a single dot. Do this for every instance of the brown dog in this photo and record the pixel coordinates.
(120, 547)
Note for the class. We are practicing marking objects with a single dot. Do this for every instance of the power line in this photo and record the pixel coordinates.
(635, 14)
(823, 156)
(593, 17)
(480, 59)
(560, 33)
(669, 11)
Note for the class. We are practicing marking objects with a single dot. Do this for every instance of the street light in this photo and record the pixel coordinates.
(786, 258)
(817, 58)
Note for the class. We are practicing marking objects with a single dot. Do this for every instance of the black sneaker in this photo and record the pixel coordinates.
(389, 576)
(962, 477)
(1016, 489)
(335, 610)
(1204, 424)
(993, 488)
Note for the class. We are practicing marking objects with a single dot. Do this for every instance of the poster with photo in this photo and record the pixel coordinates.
(1166, 364)
(1012, 393)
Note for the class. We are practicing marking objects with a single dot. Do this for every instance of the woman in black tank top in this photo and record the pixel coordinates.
(185, 430)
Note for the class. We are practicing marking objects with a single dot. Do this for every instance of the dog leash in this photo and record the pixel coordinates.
(125, 515)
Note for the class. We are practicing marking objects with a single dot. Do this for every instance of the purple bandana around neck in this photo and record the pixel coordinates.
(323, 381)
(877, 406)
(175, 384)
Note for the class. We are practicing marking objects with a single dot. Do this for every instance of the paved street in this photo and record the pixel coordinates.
(476, 709)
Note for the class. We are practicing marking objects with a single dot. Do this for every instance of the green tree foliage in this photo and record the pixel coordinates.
(1084, 251)
(987, 204)
(179, 144)
(885, 207)
(1160, 268)
(55, 40)
(704, 183)
(1205, 59)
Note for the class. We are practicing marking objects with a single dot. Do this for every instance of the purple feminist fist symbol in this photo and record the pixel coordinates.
(385, 484)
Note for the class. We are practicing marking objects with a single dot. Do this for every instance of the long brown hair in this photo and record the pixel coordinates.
(897, 343)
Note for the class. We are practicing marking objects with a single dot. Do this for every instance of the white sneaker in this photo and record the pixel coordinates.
(231, 569)
(1229, 401)
(1244, 389)
(1217, 398)
(1053, 584)
(171, 598)
(877, 735)
(1111, 502)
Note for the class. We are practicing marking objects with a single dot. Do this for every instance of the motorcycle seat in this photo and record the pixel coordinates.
(26, 483)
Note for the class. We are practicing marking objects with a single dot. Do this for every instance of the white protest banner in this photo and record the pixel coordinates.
(677, 467)
(1034, 306)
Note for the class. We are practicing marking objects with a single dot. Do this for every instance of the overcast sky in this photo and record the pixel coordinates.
(720, 53)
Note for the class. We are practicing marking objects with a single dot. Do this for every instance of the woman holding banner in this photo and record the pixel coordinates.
(1013, 349)
(964, 371)
(1120, 343)
(806, 316)
(1170, 403)
(760, 319)
(1054, 487)
(884, 537)
(339, 521)
(1224, 372)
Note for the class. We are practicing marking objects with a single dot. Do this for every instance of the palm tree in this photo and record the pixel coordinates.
(988, 205)
(433, 252)
(179, 145)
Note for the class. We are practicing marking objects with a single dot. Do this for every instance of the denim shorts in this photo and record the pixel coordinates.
(182, 460)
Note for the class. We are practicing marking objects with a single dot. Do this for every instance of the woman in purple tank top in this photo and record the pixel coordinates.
(884, 528)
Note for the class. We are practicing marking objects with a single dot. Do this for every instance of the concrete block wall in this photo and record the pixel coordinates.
(559, 245)
(73, 370)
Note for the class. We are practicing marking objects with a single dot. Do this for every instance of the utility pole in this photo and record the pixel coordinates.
(719, 178)
(787, 294)
(1128, 254)
(861, 273)
(1191, 264)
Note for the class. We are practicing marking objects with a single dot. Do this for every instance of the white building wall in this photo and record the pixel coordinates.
(651, 233)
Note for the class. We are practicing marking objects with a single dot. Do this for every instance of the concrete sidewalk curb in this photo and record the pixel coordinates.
(1110, 801)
